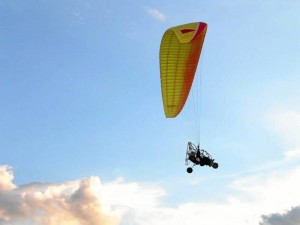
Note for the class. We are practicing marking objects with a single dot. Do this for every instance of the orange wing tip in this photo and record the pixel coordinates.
(202, 27)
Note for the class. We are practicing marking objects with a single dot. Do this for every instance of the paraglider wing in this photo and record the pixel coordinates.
(179, 55)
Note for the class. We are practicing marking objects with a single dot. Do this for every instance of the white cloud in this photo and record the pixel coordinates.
(156, 14)
(287, 124)
(6, 178)
(71, 203)
(292, 154)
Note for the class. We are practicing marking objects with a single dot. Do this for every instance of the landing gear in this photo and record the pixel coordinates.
(189, 170)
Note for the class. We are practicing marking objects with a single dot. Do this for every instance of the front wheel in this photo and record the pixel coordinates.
(215, 165)
(189, 170)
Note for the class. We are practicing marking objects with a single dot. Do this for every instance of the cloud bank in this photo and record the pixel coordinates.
(83, 202)
(90, 201)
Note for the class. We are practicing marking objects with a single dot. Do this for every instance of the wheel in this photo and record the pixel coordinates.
(215, 165)
(202, 163)
(189, 170)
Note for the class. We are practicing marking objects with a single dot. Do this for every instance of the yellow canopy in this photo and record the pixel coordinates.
(179, 55)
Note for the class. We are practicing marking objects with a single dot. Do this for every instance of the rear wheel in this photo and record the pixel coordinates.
(189, 170)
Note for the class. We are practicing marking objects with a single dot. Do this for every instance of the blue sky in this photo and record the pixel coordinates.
(81, 108)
